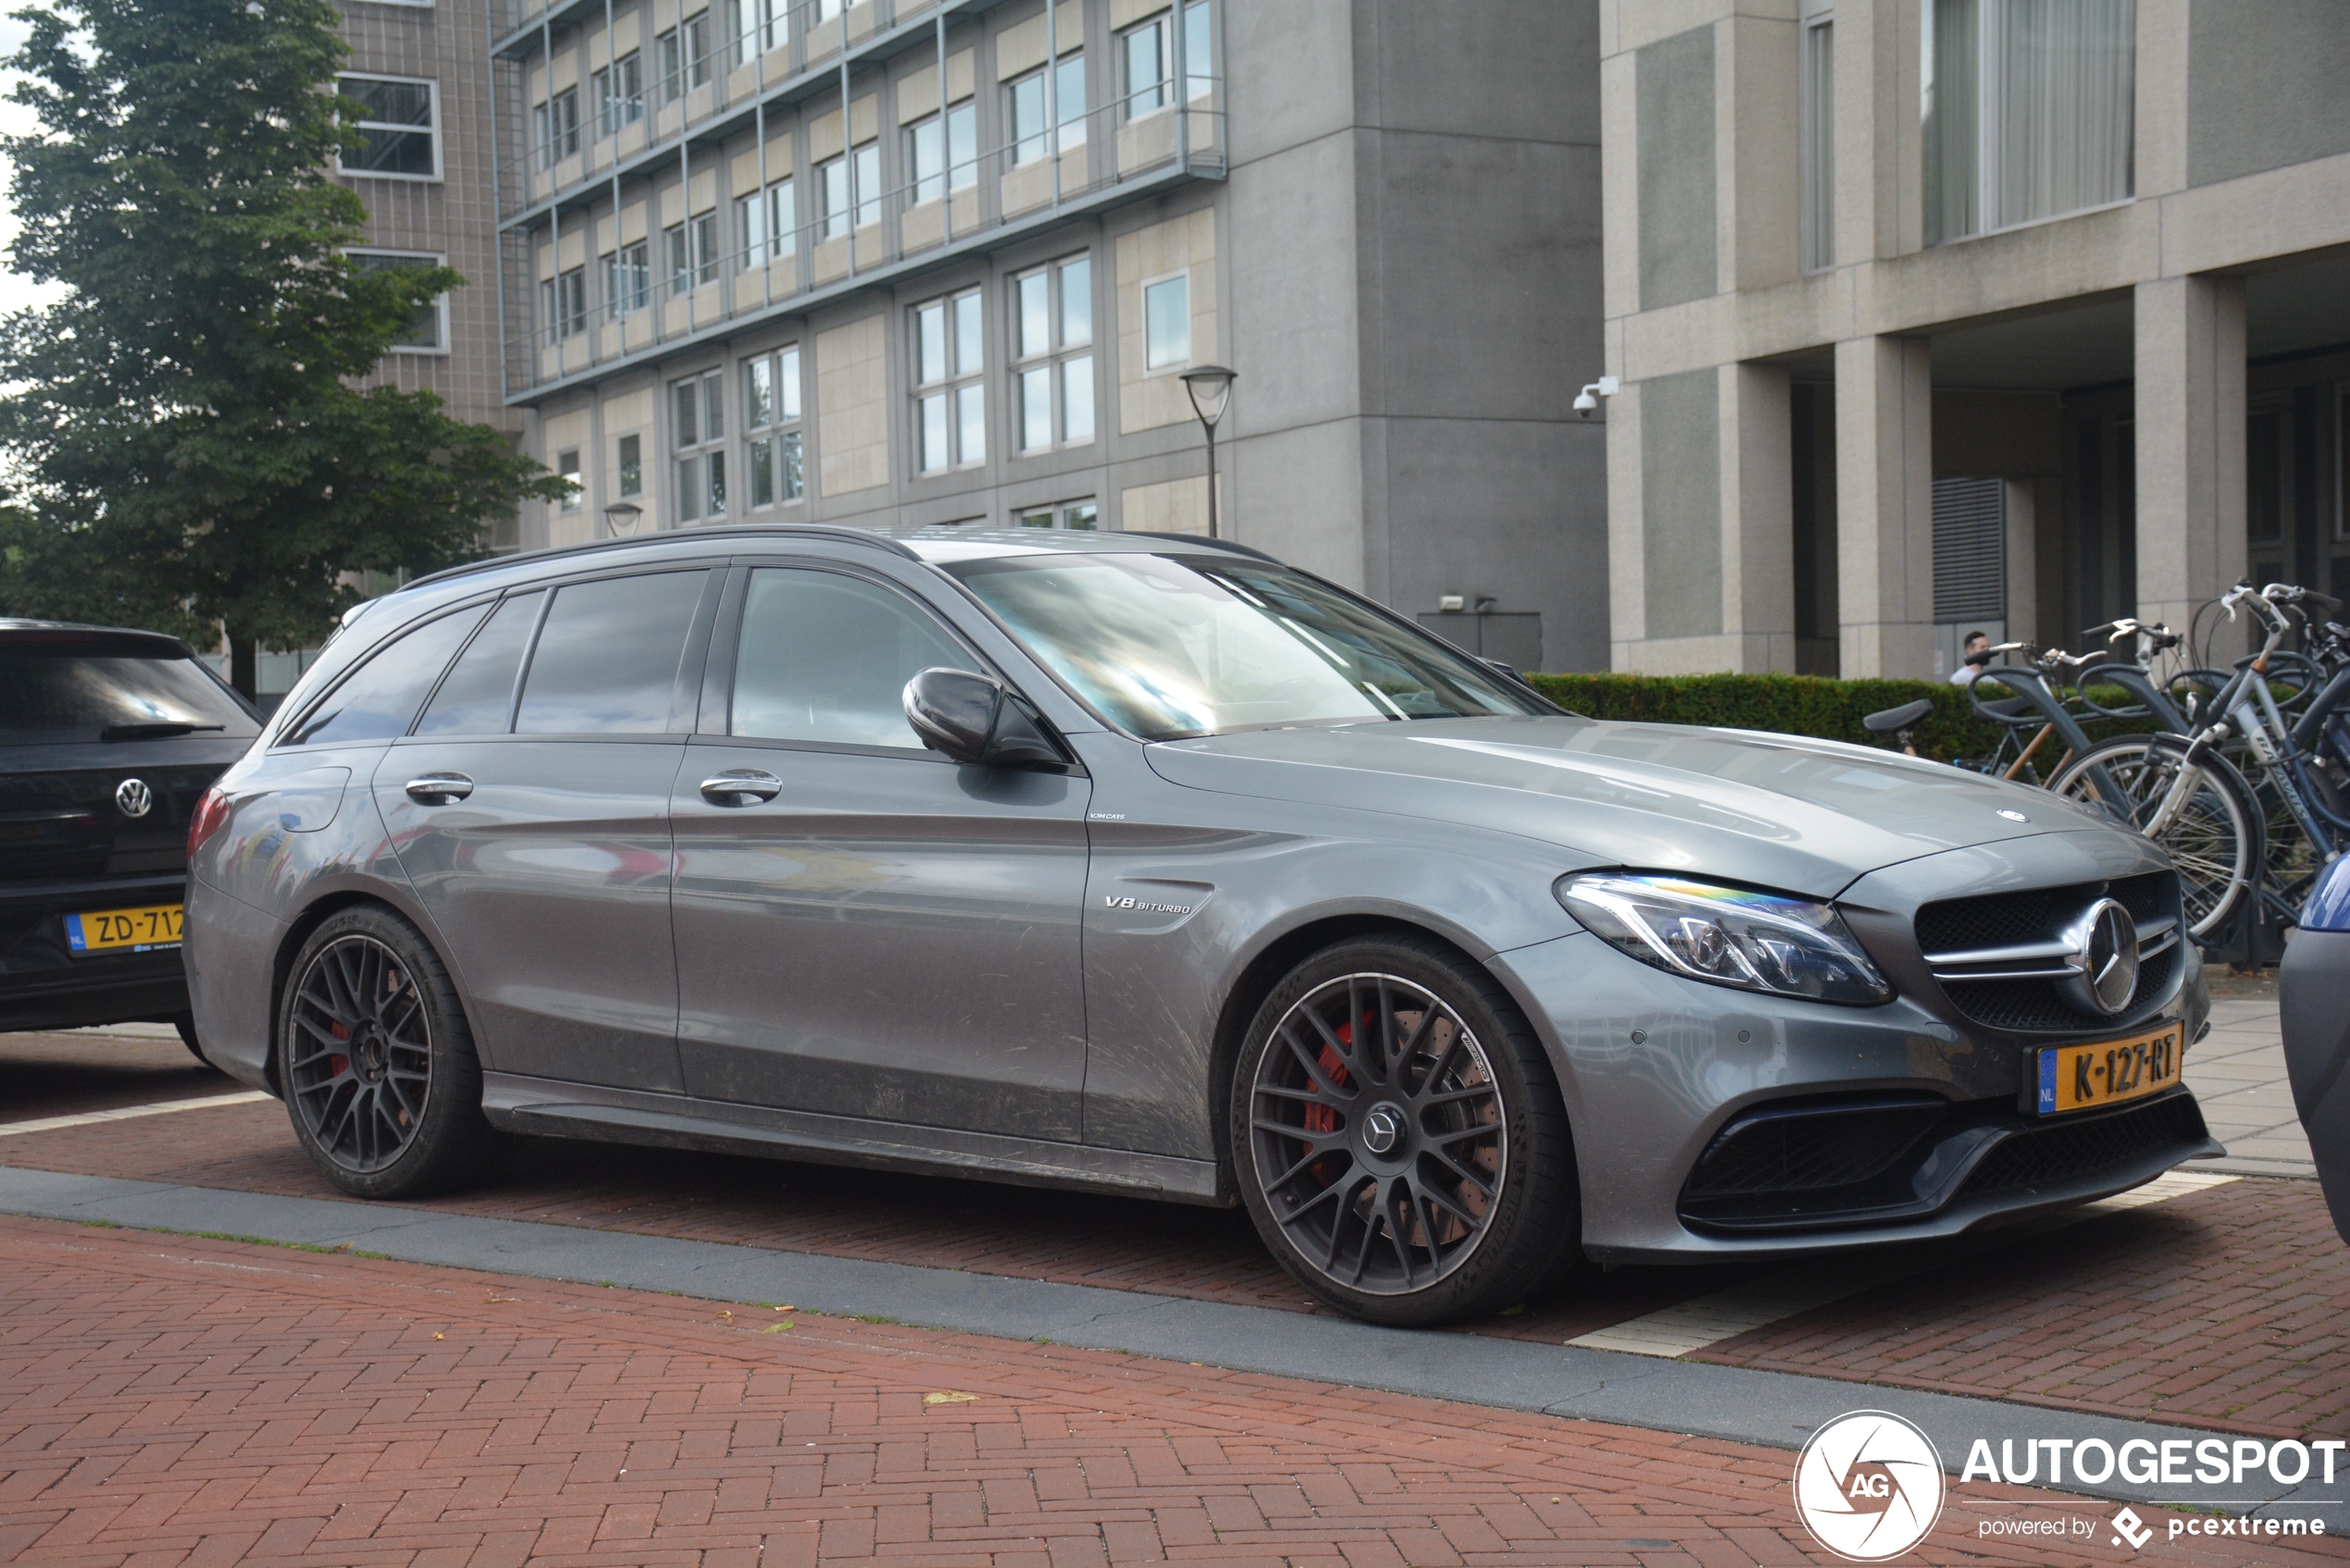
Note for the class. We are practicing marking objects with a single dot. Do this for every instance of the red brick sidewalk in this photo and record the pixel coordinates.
(169, 1401)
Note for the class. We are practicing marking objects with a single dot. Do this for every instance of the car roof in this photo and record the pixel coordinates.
(936, 545)
(72, 637)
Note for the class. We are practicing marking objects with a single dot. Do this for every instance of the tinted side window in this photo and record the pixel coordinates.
(377, 700)
(607, 661)
(826, 658)
(479, 697)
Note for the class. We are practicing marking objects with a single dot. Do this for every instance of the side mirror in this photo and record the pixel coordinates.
(975, 720)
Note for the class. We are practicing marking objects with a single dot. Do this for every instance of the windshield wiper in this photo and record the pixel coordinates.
(156, 729)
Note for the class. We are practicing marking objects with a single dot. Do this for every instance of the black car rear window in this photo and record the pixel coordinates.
(54, 697)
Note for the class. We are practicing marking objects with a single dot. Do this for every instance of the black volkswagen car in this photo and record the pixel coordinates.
(108, 739)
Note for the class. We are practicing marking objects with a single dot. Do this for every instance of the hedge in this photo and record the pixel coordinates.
(1803, 705)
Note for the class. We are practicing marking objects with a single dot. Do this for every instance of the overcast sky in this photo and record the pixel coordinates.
(15, 293)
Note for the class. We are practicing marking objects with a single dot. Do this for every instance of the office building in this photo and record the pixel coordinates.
(1939, 315)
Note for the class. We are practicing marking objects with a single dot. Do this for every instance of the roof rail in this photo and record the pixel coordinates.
(735, 531)
(1198, 540)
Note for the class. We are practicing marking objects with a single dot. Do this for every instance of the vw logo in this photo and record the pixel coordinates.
(134, 797)
(2104, 955)
(1382, 1128)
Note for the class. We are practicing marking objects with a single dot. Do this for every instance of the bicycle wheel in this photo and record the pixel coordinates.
(2215, 842)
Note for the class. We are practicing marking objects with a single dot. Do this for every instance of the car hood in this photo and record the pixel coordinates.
(1785, 811)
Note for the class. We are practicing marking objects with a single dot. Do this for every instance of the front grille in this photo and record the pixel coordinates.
(1788, 1149)
(2037, 915)
(2036, 1006)
(2063, 1151)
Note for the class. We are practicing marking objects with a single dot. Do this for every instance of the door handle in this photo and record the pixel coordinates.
(739, 786)
(440, 789)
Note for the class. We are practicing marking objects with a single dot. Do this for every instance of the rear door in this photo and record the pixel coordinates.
(869, 929)
(530, 809)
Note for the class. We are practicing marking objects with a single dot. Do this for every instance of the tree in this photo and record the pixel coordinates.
(193, 447)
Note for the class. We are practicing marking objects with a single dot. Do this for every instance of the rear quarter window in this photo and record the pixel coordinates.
(379, 700)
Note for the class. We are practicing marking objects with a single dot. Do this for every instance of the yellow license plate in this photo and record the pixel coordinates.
(2075, 1077)
(104, 931)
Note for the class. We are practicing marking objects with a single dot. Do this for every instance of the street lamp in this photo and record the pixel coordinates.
(620, 518)
(1212, 388)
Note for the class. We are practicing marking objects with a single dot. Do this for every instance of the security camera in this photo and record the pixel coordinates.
(1589, 398)
(1585, 404)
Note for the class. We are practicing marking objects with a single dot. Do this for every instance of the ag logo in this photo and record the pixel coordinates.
(1868, 1486)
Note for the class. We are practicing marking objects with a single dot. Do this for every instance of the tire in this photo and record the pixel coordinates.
(186, 1024)
(2217, 841)
(1425, 1179)
(377, 1067)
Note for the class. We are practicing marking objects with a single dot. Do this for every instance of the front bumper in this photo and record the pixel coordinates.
(1654, 1066)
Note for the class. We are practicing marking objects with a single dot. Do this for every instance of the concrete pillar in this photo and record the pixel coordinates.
(2190, 443)
(1758, 519)
(2024, 560)
(1884, 507)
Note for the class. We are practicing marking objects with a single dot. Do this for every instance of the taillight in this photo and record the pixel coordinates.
(212, 815)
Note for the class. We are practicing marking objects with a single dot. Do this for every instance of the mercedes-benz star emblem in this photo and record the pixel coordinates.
(1381, 1128)
(134, 797)
(2103, 952)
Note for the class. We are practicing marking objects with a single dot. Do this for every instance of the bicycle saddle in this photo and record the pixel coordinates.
(1900, 718)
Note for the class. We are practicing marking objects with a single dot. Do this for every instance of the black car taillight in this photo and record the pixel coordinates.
(211, 816)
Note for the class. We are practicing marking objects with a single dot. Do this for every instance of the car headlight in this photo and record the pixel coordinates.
(1728, 935)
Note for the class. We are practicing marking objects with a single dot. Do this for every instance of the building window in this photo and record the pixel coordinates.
(558, 127)
(631, 455)
(1818, 130)
(1080, 514)
(1053, 360)
(567, 470)
(627, 280)
(399, 128)
(852, 180)
(563, 300)
(760, 25)
(1148, 53)
(950, 400)
(620, 94)
(828, 10)
(771, 425)
(939, 163)
(1030, 112)
(429, 333)
(783, 218)
(692, 253)
(699, 408)
(1167, 322)
(2027, 111)
(750, 230)
(684, 58)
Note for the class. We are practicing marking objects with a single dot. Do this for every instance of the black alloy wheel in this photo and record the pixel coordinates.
(375, 1063)
(1399, 1137)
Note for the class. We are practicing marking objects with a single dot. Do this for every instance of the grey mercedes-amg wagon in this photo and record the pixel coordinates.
(1150, 864)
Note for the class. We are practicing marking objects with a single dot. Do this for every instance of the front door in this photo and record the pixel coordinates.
(534, 825)
(864, 928)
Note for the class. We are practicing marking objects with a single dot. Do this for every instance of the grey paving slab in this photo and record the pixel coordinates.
(1776, 1410)
(2237, 1073)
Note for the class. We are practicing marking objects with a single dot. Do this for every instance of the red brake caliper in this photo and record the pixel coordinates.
(338, 1066)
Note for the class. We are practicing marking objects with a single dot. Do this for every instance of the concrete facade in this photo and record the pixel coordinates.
(1384, 215)
(2156, 376)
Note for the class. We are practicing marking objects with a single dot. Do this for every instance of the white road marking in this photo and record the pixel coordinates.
(1706, 1320)
(87, 1118)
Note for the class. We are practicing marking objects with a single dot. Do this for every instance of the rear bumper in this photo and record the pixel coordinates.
(44, 985)
(231, 952)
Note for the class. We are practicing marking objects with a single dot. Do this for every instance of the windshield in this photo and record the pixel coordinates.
(54, 698)
(1169, 647)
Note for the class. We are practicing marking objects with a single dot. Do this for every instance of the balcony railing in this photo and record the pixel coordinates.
(808, 29)
(614, 315)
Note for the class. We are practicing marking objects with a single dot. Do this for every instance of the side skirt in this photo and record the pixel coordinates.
(515, 1103)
